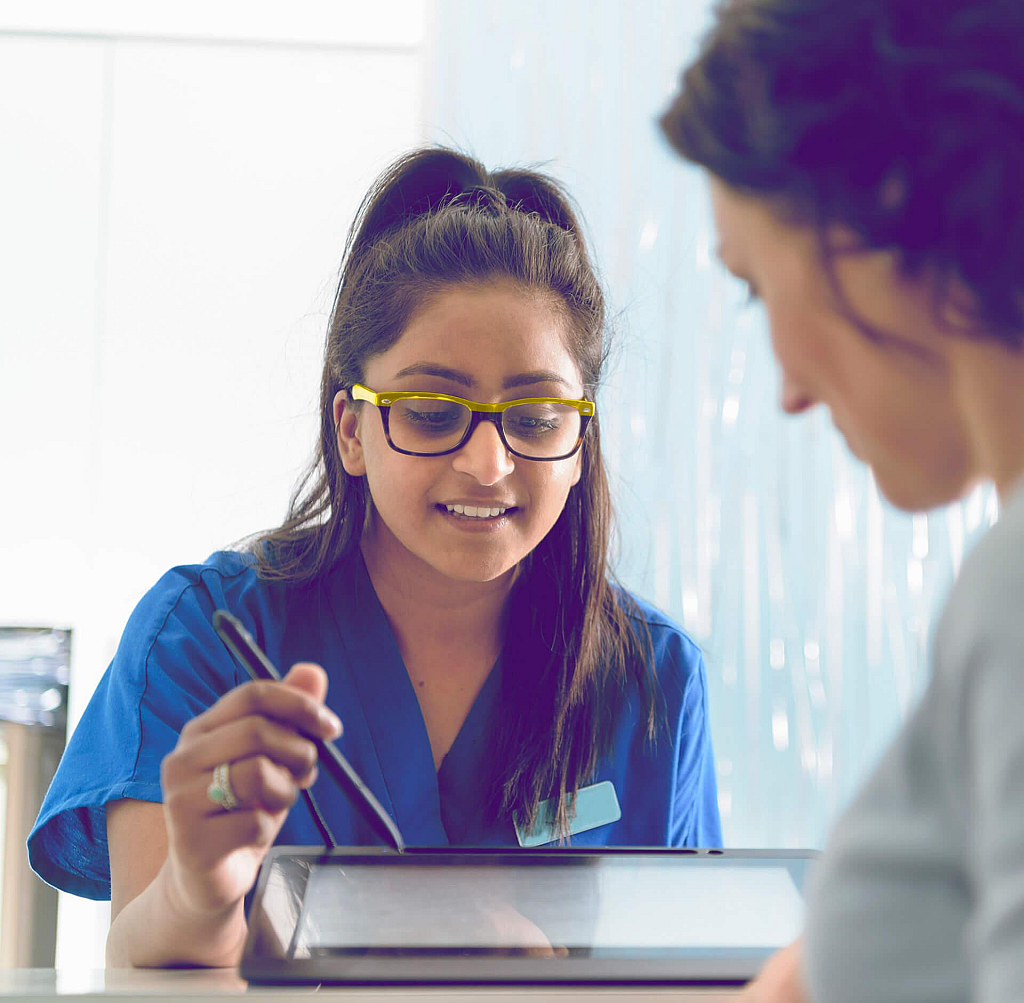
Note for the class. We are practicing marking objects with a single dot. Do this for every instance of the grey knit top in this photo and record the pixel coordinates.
(920, 894)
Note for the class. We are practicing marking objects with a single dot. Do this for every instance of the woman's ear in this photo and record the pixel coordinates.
(346, 426)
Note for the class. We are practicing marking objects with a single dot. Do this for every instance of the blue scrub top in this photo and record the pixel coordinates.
(171, 665)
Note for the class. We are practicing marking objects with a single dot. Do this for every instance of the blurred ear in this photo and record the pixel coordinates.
(346, 424)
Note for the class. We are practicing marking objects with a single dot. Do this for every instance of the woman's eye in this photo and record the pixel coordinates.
(430, 417)
(441, 419)
(535, 426)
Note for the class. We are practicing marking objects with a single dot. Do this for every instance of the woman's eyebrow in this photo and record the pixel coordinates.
(539, 376)
(465, 380)
(442, 372)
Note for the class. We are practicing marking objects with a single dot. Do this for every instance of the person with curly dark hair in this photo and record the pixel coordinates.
(866, 162)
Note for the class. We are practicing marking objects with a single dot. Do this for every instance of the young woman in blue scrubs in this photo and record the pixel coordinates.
(440, 585)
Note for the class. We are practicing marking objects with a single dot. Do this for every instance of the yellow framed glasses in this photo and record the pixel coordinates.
(533, 428)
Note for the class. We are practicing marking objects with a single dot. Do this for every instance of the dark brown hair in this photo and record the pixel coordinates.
(902, 119)
(573, 640)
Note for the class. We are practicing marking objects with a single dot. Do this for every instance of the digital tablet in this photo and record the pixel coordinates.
(370, 915)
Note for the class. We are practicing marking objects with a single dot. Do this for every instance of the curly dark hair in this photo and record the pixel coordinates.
(901, 119)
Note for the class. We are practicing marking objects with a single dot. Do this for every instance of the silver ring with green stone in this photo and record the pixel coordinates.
(219, 791)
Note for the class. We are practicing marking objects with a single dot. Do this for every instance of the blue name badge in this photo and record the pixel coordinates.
(595, 805)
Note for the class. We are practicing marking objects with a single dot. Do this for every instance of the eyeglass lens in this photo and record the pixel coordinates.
(424, 425)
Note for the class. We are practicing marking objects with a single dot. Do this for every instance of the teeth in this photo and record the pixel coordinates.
(476, 511)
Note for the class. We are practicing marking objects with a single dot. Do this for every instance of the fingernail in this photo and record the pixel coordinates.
(330, 720)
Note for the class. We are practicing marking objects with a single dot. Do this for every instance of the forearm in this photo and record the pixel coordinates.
(157, 930)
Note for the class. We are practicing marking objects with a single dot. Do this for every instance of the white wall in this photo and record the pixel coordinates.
(175, 187)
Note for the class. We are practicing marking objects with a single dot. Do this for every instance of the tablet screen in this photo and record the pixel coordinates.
(612, 904)
(615, 907)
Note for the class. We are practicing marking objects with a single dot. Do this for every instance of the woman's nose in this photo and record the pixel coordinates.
(484, 456)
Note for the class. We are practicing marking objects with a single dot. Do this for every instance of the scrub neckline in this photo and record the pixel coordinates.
(392, 711)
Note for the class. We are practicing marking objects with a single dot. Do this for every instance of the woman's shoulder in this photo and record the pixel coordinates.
(223, 574)
(985, 609)
(676, 653)
(179, 606)
(237, 577)
(233, 566)
(659, 623)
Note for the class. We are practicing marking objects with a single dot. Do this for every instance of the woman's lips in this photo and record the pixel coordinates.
(476, 522)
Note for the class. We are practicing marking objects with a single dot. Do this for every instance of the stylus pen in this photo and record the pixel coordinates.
(241, 644)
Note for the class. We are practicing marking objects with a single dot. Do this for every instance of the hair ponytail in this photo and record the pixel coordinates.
(533, 193)
(417, 184)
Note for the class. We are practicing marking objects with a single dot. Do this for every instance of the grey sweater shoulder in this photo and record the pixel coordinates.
(920, 894)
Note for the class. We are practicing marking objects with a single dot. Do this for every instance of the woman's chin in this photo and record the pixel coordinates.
(469, 569)
(912, 490)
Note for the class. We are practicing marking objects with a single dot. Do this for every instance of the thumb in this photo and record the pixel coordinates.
(308, 677)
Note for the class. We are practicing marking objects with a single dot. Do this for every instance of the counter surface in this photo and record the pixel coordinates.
(157, 985)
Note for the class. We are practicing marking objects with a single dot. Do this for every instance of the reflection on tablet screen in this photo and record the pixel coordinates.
(610, 906)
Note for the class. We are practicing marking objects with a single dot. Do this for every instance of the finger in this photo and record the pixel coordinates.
(521, 934)
(238, 739)
(282, 702)
(256, 782)
(308, 677)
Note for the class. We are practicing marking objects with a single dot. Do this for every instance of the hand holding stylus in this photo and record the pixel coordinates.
(255, 661)
(219, 827)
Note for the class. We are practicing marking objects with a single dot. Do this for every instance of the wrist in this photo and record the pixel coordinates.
(221, 930)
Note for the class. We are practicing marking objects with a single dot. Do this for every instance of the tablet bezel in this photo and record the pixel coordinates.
(728, 966)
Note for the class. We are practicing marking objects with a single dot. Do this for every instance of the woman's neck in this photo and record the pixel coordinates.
(428, 610)
(990, 384)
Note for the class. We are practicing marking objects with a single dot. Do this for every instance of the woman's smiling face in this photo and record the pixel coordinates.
(489, 343)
